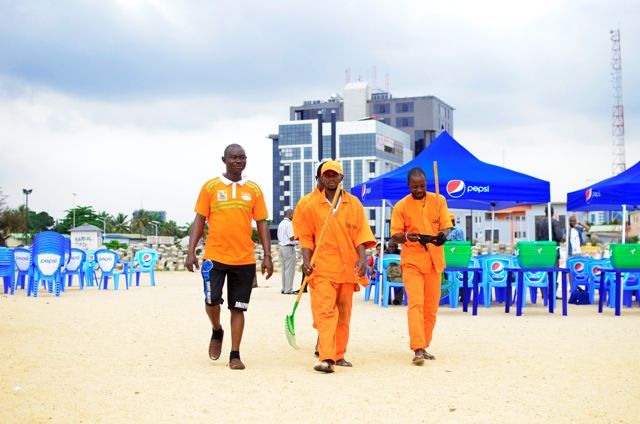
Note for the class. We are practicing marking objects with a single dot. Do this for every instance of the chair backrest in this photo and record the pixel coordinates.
(48, 263)
(145, 258)
(76, 259)
(22, 258)
(106, 260)
(493, 267)
(7, 264)
(579, 267)
(388, 259)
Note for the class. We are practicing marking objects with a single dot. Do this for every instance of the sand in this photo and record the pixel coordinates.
(141, 356)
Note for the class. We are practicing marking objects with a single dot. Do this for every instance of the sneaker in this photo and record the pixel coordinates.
(324, 366)
(236, 364)
(215, 347)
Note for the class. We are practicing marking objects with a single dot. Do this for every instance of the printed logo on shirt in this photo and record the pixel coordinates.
(222, 195)
(246, 196)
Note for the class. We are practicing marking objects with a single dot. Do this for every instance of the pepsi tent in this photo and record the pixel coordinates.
(618, 192)
(465, 181)
(610, 194)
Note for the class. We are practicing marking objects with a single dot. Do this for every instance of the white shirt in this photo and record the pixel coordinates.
(285, 232)
(574, 238)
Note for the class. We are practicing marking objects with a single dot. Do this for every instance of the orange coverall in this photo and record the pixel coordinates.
(334, 279)
(421, 269)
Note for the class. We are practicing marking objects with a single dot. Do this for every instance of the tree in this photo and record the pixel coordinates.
(84, 215)
(120, 224)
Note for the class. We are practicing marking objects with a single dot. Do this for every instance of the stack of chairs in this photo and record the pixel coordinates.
(144, 261)
(578, 267)
(7, 269)
(24, 266)
(48, 255)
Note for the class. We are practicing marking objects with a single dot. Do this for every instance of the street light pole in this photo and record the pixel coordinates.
(104, 228)
(74, 210)
(156, 224)
(26, 192)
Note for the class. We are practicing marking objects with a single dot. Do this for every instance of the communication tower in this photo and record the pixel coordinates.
(617, 117)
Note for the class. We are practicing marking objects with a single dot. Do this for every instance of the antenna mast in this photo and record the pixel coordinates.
(617, 118)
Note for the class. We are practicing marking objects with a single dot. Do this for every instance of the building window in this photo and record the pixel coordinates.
(357, 171)
(294, 134)
(357, 145)
(404, 122)
(380, 108)
(372, 167)
(372, 214)
(404, 107)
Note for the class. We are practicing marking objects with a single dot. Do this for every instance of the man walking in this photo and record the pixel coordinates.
(339, 263)
(287, 252)
(415, 216)
(227, 204)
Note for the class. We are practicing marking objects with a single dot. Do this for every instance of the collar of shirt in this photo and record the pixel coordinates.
(227, 181)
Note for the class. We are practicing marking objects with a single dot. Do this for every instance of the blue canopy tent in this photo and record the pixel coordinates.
(464, 180)
(621, 191)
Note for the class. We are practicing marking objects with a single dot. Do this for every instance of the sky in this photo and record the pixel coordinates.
(130, 103)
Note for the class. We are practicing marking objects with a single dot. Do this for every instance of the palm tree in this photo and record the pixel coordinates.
(120, 224)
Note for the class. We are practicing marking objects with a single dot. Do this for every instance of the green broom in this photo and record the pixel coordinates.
(289, 324)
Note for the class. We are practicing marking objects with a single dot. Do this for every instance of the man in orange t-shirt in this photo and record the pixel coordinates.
(419, 214)
(339, 263)
(228, 204)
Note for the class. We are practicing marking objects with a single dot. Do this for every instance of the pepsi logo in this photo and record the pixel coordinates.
(146, 257)
(363, 191)
(588, 194)
(596, 270)
(578, 267)
(497, 267)
(456, 188)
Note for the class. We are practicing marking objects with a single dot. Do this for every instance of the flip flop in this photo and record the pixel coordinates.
(343, 363)
(324, 366)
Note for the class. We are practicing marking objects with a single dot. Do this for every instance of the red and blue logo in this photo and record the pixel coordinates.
(456, 188)
(146, 257)
(363, 191)
(578, 267)
(497, 266)
(596, 270)
(589, 194)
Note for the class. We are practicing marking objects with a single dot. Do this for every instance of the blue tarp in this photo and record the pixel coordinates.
(465, 181)
(609, 194)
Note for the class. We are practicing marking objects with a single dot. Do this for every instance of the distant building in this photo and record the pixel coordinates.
(364, 148)
(423, 118)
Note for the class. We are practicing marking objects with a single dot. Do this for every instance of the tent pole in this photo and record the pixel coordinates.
(549, 220)
(493, 223)
(624, 224)
(384, 219)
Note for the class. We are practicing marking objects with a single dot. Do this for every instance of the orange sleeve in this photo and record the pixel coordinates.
(204, 202)
(397, 219)
(445, 220)
(297, 214)
(365, 235)
(305, 228)
(259, 211)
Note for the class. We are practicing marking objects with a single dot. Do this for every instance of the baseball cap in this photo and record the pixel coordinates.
(332, 165)
(452, 216)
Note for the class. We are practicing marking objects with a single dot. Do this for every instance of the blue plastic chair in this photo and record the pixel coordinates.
(534, 281)
(374, 285)
(90, 269)
(456, 280)
(108, 262)
(48, 258)
(593, 268)
(578, 267)
(22, 258)
(8, 269)
(494, 276)
(385, 283)
(75, 266)
(630, 286)
(144, 261)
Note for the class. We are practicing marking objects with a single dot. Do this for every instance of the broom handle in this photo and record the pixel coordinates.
(322, 232)
(435, 179)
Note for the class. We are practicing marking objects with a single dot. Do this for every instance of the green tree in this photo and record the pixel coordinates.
(120, 224)
(141, 221)
(84, 215)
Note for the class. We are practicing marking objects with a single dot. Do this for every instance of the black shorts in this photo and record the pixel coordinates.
(239, 283)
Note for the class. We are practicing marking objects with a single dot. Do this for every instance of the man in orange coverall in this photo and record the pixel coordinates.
(421, 213)
(339, 263)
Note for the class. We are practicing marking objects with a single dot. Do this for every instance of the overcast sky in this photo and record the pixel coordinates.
(130, 103)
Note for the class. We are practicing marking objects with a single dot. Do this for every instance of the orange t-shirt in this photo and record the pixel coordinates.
(425, 216)
(297, 211)
(346, 230)
(229, 208)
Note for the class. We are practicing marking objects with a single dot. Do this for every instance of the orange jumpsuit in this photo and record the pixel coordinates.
(297, 211)
(334, 279)
(421, 269)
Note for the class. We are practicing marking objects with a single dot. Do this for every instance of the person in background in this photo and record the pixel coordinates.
(576, 236)
(398, 292)
(456, 233)
(287, 252)
(372, 263)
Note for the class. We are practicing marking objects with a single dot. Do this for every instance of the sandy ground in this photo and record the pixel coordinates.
(141, 356)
